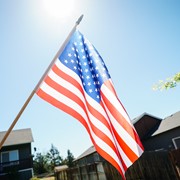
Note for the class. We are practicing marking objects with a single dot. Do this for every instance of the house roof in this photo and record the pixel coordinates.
(86, 153)
(17, 137)
(168, 123)
(135, 120)
(60, 168)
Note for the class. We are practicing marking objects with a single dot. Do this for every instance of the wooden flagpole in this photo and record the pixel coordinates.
(40, 81)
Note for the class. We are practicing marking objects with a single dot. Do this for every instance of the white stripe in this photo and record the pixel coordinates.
(115, 103)
(125, 158)
(66, 84)
(68, 71)
(61, 98)
(125, 135)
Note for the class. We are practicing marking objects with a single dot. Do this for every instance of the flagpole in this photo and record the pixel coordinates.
(40, 81)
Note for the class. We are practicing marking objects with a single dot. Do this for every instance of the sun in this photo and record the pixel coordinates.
(58, 8)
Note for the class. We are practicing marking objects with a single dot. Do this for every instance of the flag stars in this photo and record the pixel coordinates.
(66, 61)
(82, 58)
(90, 90)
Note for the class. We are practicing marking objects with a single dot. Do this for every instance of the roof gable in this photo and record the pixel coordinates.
(17, 137)
(168, 123)
(146, 124)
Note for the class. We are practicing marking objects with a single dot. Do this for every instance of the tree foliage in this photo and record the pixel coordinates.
(53, 157)
(44, 163)
(40, 164)
(169, 83)
(69, 160)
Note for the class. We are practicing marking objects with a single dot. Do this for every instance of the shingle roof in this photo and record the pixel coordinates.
(168, 123)
(16, 137)
(87, 152)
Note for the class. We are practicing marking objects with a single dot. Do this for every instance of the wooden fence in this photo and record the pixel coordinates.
(160, 165)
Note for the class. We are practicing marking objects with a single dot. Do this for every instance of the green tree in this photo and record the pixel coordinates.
(54, 158)
(69, 160)
(40, 164)
(169, 83)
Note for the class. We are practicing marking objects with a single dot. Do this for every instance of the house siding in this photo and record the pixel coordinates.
(23, 169)
(162, 141)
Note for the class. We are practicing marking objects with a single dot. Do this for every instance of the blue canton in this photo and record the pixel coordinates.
(81, 57)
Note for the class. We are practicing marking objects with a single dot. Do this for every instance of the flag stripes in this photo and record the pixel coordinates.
(62, 88)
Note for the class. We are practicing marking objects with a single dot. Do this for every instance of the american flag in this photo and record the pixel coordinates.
(80, 84)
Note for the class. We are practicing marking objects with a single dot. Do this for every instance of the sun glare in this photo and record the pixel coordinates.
(59, 8)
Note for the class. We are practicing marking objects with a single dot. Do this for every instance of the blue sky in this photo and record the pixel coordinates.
(138, 40)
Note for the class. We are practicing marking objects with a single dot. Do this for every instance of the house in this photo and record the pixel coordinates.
(161, 140)
(15, 155)
(158, 134)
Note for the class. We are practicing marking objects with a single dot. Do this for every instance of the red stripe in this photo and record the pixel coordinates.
(121, 120)
(110, 86)
(109, 159)
(63, 107)
(65, 92)
(67, 78)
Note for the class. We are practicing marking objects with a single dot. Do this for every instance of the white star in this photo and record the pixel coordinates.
(87, 77)
(89, 84)
(69, 55)
(66, 61)
(72, 60)
(90, 90)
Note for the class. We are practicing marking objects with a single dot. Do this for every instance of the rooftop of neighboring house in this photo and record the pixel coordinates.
(86, 153)
(168, 123)
(17, 137)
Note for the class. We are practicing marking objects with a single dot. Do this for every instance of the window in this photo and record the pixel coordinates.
(176, 142)
(10, 156)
